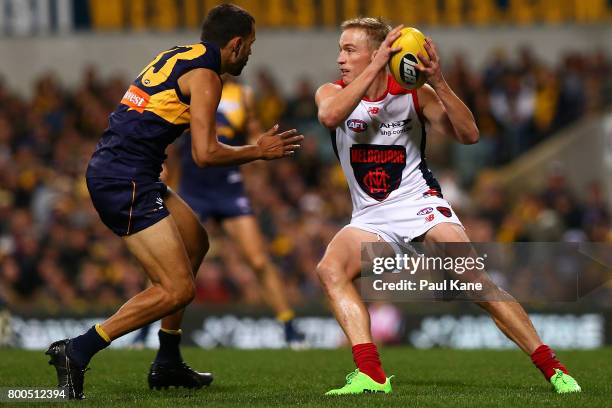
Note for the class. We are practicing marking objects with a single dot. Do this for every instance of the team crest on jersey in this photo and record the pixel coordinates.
(378, 168)
(356, 125)
(373, 110)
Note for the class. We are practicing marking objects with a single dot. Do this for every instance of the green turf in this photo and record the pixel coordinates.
(432, 378)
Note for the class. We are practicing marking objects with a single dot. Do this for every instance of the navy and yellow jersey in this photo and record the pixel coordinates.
(232, 115)
(151, 115)
(231, 123)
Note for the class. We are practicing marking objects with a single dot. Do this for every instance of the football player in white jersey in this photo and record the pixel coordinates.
(378, 131)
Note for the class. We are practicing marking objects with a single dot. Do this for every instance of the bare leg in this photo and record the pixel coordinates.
(245, 232)
(514, 322)
(337, 270)
(509, 315)
(160, 250)
(195, 240)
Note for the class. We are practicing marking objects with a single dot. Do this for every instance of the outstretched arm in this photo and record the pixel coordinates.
(204, 88)
(442, 108)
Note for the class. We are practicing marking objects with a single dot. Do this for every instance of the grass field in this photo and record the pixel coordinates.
(268, 378)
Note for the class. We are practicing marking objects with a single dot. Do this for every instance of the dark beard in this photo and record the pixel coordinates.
(237, 69)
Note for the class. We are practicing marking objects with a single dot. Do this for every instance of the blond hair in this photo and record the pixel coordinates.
(375, 28)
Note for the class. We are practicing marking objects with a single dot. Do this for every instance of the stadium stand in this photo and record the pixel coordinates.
(55, 254)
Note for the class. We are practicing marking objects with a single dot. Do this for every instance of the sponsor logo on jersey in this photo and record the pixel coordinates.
(373, 110)
(135, 98)
(430, 218)
(425, 211)
(356, 125)
(378, 168)
(445, 211)
(395, 128)
(397, 123)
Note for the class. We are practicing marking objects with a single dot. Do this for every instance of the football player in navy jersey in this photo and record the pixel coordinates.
(179, 89)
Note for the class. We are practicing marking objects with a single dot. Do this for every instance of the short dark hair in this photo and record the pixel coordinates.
(224, 22)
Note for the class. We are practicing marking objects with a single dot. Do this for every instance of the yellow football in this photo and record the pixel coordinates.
(403, 63)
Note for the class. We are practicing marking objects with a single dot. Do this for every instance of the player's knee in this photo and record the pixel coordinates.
(186, 294)
(258, 264)
(182, 294)
(331, 276)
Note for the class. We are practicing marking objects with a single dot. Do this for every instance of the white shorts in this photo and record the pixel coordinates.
(404, 220)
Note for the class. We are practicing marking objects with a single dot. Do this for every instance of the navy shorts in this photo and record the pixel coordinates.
(128, 206)
(218, 207)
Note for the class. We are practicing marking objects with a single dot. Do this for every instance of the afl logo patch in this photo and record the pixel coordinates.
(425, 211)
(445, 211)
(356, 125)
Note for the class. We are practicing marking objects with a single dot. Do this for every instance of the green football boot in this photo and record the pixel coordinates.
(564, 383)
(360, 383)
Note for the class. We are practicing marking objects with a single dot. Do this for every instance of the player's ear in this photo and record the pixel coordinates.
(234, 45)
(238, 45)
(373, 55)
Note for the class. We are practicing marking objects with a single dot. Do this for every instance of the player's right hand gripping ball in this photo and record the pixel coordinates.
(403, 63)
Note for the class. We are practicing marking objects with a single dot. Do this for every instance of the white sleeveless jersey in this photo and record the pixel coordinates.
(381, 147)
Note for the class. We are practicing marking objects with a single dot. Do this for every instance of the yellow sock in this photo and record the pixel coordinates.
(285, 316)
(173, 332)
(102, 333)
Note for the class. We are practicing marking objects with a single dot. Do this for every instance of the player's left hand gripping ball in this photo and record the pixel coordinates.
(430, 64)
(404, 64)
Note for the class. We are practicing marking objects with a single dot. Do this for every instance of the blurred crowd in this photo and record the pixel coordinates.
(55, 253)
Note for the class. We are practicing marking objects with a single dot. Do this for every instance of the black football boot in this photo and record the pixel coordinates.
(164, 375)
(70, 376)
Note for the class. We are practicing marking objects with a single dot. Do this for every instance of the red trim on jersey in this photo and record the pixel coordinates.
(432, 192)
(395, 88)
(417, 106)
(383, 96)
